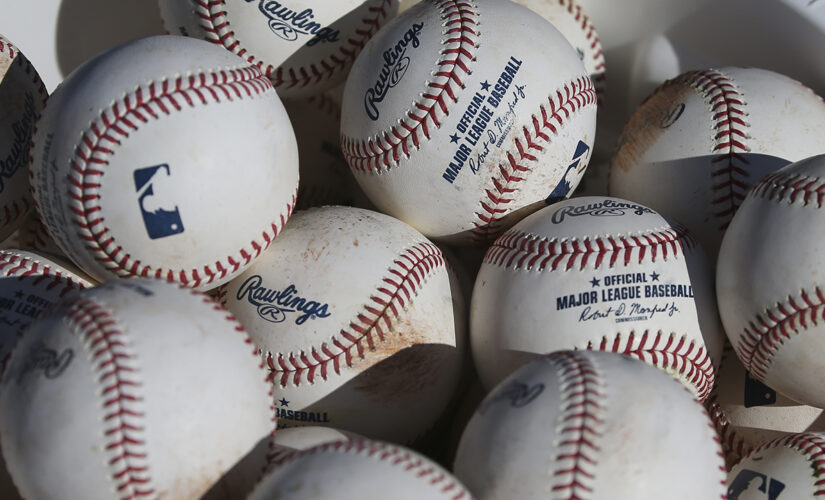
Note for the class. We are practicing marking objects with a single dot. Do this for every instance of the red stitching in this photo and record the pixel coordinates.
(14, 210)
(15, 265)
(504, 181)
(599, 79)
(115, 123)
(784, 187)
(460, 41)
(398, 456)
(728, 108)
(581, 426)
(812, 446)
(122, 400)
(397, 289)
(768, 331)
(520, 250)
(214, 20)
(734, 445)
(668, 352)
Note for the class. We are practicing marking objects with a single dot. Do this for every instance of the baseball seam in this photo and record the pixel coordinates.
(811, 446)
(580, 426)
(765, 334)
(214, 20)
(123, 117)
(727, 107)
(781, 187)
(733, 444)
(503, 184)
(13, 265)
(18, 207)
(519, 250)
(117, 373)
(398, 287)
(382, 152)
(599, 77)
(394, 455)
(669, 352)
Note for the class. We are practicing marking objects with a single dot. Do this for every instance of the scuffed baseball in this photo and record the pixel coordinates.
(597, 273)
(165, 157)
(132, 388)
(358, 469)
(358, 321)
(579, 424)
(459, 128)
(22, 97)
(770, 280)
(700, 141)
(303, 46)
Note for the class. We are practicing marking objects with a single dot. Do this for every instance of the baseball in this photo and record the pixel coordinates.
(22, 96)
(165, 157)
(579, 424)
(696, 145)
(303, 46)
(770, 278)
(354, 313)
(132, 388)
(459, 118)
(358, 469)
(597, 273)
(788, 467)
(571, 20)
(748, 413)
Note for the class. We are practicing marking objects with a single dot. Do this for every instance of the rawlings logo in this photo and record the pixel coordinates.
(607, 208)
(395, 67)
(288, 24)
(274, 304)
(21, 131)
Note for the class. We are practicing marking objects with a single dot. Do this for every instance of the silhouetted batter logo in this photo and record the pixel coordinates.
(160, 213)
(563, 187)
(752, 485)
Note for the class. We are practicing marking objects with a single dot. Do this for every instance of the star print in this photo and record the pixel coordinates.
(485, 85)
(284, 402)
(454, 138)
(654, 276)
(594, 282)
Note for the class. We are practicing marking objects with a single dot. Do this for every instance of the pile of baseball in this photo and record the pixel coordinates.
(353, 249)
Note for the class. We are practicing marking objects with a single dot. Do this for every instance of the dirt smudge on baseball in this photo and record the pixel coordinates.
(650, 120)
(409, 363)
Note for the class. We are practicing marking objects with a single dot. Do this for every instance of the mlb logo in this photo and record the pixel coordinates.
(161, 216)
(752, 485)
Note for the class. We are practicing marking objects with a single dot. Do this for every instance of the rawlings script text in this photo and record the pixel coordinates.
(21, 134)
(395, 66)
(274, 304)
(288, 24)
(607, 208)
